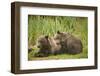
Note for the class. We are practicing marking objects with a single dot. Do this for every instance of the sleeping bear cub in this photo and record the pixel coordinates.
(47, 45)
(69, 43)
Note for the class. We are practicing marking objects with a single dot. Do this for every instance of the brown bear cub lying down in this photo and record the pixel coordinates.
(70, 44)
(48, 46)
(61, 43)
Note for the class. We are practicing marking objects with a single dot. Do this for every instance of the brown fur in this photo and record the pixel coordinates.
(48, 46)
(70, 44)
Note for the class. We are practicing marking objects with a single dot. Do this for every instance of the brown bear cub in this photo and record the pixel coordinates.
(47, 45)
(69, 43)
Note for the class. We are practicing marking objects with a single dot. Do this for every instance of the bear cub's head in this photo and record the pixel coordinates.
(47, 45)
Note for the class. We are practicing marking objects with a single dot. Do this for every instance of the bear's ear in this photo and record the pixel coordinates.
(58, 32)
(47, 37)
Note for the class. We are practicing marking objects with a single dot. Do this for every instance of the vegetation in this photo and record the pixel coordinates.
(49, 25)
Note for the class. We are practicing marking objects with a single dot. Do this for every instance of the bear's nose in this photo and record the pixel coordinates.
(38, 46)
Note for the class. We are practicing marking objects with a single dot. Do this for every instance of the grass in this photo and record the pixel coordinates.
(49, 25)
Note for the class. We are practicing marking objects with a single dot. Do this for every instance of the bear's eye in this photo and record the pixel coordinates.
(58, 43)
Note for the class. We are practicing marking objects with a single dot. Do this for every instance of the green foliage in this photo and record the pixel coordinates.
(49, 25)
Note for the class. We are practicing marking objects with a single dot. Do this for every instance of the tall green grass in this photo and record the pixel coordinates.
(49, 25)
